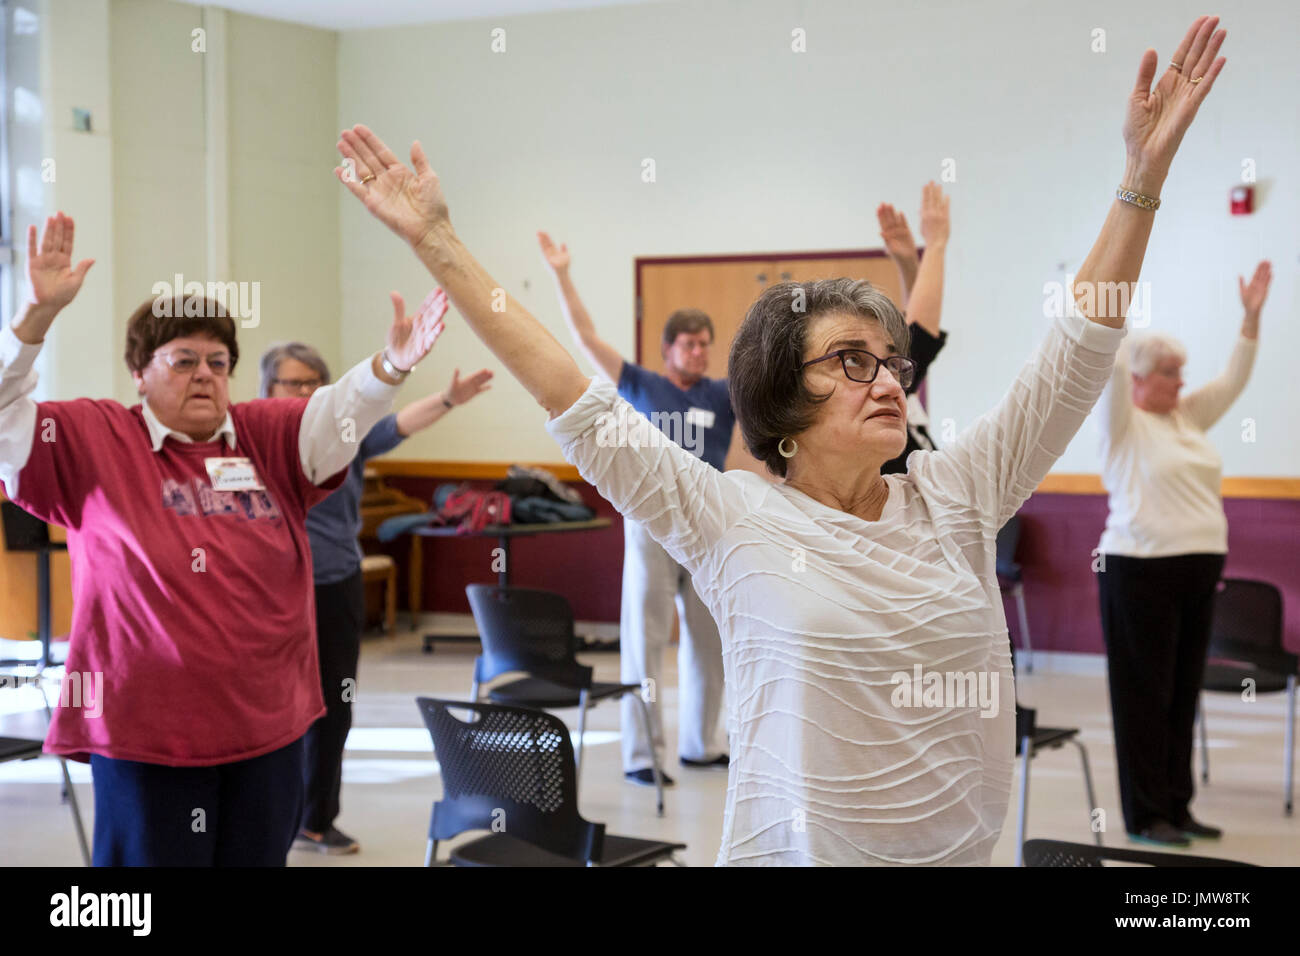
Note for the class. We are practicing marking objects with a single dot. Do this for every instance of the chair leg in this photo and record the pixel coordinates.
(1289, 772)
(1087, 783)
(644, 711)
(473, 691)
(1026, 746)
(1205, 744)
(76, 813)
(430, 852)
(582, 736)
(1024, 627)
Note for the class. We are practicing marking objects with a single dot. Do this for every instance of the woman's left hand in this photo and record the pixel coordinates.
(1158, 118)
(1254, 294)
(459, 392)
(411, 337)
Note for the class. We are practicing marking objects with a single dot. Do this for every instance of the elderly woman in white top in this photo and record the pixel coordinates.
(1162, 553)
(831, 587)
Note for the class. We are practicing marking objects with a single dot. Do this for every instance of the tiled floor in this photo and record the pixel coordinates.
(390, 776)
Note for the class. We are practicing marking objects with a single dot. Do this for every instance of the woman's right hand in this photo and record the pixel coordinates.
(409, 203)
(557, 259)
(896, 235)
(55, 281)
(935, 222)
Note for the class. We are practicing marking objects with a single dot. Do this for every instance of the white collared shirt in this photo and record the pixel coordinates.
(158, 431)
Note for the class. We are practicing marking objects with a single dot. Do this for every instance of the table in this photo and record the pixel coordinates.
(503, 533)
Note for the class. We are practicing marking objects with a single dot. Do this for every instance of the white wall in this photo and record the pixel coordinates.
(762, 149)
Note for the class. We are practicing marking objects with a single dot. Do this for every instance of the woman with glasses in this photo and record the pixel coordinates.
(843, 595)
(296, 370)
(192, 600)
(1162, 553)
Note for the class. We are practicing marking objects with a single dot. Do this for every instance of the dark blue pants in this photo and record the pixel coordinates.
(235, 814)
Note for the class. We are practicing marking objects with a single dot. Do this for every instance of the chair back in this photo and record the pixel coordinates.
(1057, 853)
(509, 770)
(524, 629)
(1008, 542)
(1246, 626)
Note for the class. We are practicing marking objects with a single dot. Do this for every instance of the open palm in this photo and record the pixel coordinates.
(895, 232)
(557, 257)
(54, 280)
(1157, 118)
(1254, 293)
(408, 202)
(411, 337)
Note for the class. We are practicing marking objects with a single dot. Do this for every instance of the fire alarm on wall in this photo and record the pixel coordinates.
(1242, 200)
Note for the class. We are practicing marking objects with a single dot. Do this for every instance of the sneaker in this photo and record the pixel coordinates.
(332, 841)
(1199, 830)
(645, 777)
(717, 763)
(1161, 833)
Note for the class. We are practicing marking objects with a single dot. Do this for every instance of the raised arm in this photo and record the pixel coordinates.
(601, 354)
(1207, 404)
(53, 283)
(1116, 402)
(901, 248)
(338, 416)
(419, 415)
(411, 203)
(926, 302)
(998, 462)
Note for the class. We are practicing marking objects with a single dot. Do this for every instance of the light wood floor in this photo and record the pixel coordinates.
(390, 776)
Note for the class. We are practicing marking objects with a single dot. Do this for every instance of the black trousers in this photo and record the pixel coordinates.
(340, 616)
(1155, 616)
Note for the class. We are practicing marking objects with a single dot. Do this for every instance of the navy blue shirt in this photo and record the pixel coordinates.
(333, 525)
(699, 419)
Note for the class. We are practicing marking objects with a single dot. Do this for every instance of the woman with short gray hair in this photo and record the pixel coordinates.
(1162, 552)
(866, 650)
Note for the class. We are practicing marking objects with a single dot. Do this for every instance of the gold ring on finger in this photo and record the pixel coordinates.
(1176, 67)
(1197, 79)
(366, 178)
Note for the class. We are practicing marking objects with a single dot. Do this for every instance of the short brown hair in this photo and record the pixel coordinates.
(159, 320)
(771, 399)
(689, 321)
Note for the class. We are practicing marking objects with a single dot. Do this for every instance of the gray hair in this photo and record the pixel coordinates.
(1149, 350)
(769, 395)
(273, 356)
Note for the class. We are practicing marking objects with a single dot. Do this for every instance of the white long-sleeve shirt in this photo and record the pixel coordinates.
(1161, 471)
(819, 610)
(337, 416)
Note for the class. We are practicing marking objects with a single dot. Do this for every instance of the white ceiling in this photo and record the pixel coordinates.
(354, 15)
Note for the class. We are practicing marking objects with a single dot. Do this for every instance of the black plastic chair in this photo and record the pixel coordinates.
(1056, 853)
(528, 630)
(1246, 644)
(24, 532)
(511, 770)
(1010, 578)
(1030, 740)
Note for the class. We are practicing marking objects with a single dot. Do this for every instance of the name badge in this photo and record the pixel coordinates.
(700, 417)
(233, 474)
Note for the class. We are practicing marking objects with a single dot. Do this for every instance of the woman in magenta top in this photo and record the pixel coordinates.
(192, 656)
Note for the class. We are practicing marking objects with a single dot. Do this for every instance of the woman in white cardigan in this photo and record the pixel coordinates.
(1162, 553)
(830, 587)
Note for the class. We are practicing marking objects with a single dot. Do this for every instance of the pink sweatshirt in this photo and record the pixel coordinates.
(194, 608)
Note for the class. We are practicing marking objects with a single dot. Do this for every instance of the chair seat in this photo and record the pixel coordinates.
(1049, 737)
(535, 692)
(377, 564)
(500, 849)
(1227, 677)
(19, 748)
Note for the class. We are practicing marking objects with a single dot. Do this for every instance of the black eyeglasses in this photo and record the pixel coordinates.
(861, 366)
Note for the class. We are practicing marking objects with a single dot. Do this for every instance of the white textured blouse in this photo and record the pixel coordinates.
(819, 610)
(1161, 471)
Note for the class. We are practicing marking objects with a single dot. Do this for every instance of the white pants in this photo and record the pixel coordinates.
(652, 582)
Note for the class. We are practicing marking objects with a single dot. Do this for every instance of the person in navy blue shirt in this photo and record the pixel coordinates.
(694, 411)
(294, 370)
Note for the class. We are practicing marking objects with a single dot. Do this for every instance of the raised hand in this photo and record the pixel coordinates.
(1157, 118)
(54, 280)
(459, 392)
(895, 233)
(411, 337)
(409, 203)
(1254, 294)
(557, 259)
(935, 223)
